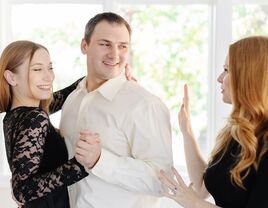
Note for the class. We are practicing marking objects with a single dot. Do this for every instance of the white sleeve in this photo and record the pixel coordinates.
(148, 131)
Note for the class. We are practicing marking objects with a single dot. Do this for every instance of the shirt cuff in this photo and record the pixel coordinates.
(106, 163)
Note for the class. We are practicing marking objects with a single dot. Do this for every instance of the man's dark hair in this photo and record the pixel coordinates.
(106, 16)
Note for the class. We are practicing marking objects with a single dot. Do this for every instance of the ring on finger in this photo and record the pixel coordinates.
(174, 190)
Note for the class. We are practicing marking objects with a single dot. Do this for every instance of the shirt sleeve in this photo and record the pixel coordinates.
(60, 96)
(149, 133)
(27, 155)
(258, 195)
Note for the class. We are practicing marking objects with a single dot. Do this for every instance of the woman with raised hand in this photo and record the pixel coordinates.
(236, 175)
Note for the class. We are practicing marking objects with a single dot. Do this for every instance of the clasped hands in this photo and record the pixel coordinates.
(88, 149)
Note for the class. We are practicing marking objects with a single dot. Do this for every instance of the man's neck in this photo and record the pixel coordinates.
(93, 84)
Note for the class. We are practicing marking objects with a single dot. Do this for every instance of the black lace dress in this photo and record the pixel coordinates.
(38, 158)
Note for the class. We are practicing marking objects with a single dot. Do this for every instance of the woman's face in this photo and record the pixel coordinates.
(34, 79)
(223, 79)
(41, 75)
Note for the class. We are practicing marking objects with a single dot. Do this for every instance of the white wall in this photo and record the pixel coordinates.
(6, 200)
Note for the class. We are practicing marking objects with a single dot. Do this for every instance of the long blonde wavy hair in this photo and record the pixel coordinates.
(248, 78)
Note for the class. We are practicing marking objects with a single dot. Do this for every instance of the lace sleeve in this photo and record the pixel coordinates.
(28, 151)
(60, 96)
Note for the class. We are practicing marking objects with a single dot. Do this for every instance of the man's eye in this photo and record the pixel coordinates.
(104, 44)
(123, 46)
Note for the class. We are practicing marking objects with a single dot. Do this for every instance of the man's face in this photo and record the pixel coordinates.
(107, 51)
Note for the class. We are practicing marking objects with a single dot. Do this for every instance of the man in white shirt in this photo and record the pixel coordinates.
(133, 125)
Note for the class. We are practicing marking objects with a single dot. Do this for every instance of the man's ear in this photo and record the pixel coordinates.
(83, 46)
(10, 77)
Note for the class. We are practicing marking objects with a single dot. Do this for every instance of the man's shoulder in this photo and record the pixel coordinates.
(139, 93)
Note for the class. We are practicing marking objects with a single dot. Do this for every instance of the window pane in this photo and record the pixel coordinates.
(249, 20)
(169, 49)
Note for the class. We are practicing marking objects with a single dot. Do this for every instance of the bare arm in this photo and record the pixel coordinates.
(194, 161)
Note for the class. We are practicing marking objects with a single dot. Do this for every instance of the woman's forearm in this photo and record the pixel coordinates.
(195, 163)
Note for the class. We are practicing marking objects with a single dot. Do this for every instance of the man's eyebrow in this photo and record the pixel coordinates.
(104, 40)
(108, 41)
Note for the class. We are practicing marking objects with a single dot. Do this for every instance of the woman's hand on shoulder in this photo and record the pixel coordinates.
(128, 74)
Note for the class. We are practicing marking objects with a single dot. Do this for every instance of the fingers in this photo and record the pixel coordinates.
(89, 137)
(191, 186)
(127, 72)
(88, 148)
(185, 100)
(186, 97)
(171, 196)
(170, 182)
(86, 144)
(83, 147)
(178, 177)
(87, 132)
(87, 154)
(180, 192)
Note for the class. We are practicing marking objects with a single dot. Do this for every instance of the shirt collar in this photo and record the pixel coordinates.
(109, 89)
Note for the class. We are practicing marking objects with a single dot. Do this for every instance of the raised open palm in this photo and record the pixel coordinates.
(184, 115)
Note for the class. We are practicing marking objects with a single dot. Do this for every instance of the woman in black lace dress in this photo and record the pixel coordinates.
(237, 174)
(36, 152)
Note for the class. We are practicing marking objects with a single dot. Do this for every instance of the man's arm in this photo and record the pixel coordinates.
(148, 131)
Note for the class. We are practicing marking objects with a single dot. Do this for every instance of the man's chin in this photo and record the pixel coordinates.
(114, 75)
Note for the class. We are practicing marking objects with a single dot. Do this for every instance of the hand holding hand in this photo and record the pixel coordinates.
(88, 149)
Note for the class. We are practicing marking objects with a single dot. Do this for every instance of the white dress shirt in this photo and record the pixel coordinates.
(135, 133)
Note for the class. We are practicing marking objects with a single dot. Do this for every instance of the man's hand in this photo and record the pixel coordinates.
(88, 149)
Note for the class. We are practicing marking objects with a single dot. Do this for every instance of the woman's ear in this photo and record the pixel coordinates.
(10, 77)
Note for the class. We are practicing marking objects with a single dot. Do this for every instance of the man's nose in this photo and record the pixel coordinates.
(113, 52)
